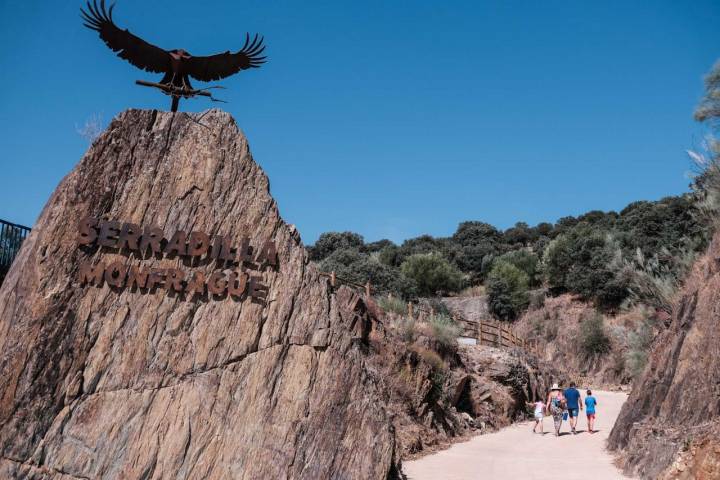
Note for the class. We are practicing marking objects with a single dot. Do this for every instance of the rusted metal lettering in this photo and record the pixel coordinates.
(91, 274)
(115, 274)
(267, 255)
(174, 279)
(198, 244)
(86, 231)
(137, 277)
(156, 278)
(129, 236)
(109, 232)
(257, 290)
(177, 245)
(153, 237)
(216, 283)
(237, 284)
(196, 285)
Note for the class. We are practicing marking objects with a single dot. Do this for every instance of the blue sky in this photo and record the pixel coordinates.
(391, 119)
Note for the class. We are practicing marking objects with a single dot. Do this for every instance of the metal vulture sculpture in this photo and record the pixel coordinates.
(177, 65)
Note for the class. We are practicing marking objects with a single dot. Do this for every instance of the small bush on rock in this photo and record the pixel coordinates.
(408, 328)
(444, 330)
(594, 340)
(507, 290)
(392, 305)
(432, 273)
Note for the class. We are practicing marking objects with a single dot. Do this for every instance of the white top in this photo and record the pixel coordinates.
(539, 407)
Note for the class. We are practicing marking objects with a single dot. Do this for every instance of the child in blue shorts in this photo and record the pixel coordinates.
(590, 404)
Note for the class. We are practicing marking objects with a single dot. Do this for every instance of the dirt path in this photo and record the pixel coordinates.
(515, 452)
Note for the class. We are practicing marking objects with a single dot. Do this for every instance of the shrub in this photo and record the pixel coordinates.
(329, 242)
(594, 341)
(350, 264)
(392, 305)
(521, 234)
(378, 246)
(432, 273)
(639, 344)
(426, 244)
(444, 330)
(407, 326)
(706, 185)
(438, 370)
(526, 261)
(436, 304)
(537, 299)
(655, 283)
(588, 262)
(507, 290)
(390, 255)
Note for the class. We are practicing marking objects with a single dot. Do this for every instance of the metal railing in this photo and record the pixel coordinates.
(11, 238)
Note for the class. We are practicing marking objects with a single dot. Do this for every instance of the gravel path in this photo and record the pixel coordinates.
(515, 452)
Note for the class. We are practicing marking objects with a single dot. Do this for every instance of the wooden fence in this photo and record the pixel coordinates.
(486, 332)
(495, 334)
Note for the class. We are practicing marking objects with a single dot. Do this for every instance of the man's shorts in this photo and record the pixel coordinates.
(573, 412)
(591, 415)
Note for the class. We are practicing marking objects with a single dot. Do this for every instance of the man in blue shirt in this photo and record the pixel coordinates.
(574, 404)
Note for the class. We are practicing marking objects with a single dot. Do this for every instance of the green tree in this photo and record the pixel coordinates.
(594, 341)
(507, 291)
(432, 273)
(331, 241)
(588, 262)
(526, 261)
(351, 264)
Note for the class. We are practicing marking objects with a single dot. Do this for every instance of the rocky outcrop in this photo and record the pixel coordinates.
(469, 312)
(555, 329)
(112, 382)
(665, 430)
(443, 394)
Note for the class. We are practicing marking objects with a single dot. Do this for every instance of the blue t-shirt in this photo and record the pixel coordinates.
(572, 396)
(590, 404)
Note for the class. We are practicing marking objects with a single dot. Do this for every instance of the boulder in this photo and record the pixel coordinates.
(99, 379)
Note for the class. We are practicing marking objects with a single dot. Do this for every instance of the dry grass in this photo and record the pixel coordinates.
(474, 291)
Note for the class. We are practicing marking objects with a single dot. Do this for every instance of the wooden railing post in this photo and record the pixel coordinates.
(367, 289)
(432, 312)
(333, 279)
(410, 310)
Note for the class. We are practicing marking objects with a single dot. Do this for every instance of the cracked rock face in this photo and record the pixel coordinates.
(673, 413)
(102, 382)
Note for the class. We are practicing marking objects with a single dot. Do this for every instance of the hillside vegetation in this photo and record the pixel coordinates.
(603, 257)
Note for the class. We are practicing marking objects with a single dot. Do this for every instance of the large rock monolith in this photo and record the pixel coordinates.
(113, 366)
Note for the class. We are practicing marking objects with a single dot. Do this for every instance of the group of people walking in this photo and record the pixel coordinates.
(564, 404)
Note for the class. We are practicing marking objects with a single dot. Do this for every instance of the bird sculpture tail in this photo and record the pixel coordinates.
(175, 103)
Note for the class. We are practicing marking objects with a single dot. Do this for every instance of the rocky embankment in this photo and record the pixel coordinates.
(111, 380)
(670, 426)
(439, 393)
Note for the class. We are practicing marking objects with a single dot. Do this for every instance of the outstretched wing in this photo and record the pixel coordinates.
(215, 67)
(131, 48)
